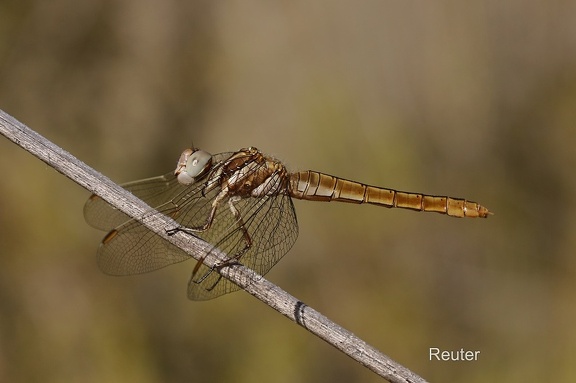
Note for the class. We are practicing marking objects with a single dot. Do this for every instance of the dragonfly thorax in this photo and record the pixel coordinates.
(248, 173)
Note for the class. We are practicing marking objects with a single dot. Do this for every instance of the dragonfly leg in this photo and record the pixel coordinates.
(199, 229)
(241, 226)
(233, 259)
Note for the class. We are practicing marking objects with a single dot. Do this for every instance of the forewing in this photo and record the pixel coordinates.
(130, 248)
(154, 191)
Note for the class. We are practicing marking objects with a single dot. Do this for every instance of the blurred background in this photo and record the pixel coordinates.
(473, 100)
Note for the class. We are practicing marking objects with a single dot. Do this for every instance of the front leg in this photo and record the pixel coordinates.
(199, 229)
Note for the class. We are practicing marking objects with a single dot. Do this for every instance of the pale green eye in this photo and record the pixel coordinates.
(192, 164)
(197, 163)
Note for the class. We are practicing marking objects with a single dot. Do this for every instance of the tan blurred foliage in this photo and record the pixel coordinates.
(475, 100)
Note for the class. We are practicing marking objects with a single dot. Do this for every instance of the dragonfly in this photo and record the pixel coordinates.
(240, 203)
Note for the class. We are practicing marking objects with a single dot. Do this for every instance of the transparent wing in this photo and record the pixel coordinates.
(129, 248)
(154, 191)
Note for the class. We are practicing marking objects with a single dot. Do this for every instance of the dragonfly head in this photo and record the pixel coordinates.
(193, 164)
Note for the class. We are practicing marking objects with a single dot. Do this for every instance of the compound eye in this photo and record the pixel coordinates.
(192, 164)
(197, 163)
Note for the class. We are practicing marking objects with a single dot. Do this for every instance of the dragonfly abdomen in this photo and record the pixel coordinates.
(316, 186)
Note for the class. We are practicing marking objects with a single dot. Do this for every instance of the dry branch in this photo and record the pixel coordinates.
(253, 283)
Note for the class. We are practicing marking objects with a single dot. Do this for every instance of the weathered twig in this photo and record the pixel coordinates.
(253, 283)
